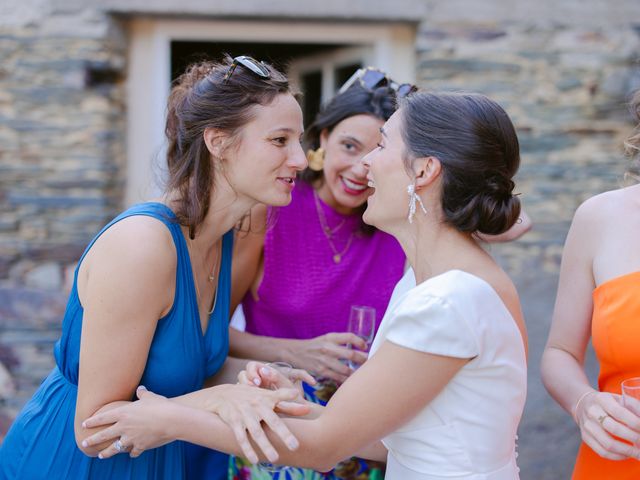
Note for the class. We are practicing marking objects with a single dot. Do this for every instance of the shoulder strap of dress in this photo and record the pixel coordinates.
(150, 209)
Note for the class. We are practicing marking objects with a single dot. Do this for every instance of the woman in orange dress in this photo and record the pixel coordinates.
(599, 298)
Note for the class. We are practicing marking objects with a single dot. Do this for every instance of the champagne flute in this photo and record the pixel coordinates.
(362, 322)
(631, 395)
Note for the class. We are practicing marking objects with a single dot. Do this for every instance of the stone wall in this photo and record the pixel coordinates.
(565, 87)
(62, 103)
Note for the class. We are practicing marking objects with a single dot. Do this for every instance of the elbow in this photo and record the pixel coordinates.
(553, 365)
(324, 464)
(326, 457)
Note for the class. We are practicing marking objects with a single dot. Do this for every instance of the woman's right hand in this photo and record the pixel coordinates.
(244, 409)
(601, 417)
(324, 355)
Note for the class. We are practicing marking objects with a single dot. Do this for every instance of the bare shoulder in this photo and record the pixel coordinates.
(139, 238)
(135, 254)
(606, 206)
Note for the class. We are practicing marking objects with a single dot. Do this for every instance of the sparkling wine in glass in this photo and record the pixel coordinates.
(362, 322)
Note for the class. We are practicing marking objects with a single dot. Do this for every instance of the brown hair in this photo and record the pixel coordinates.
(478, 148)
(200, 99)
(632, 145)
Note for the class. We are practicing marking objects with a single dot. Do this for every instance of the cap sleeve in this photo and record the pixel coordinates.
(431, 324)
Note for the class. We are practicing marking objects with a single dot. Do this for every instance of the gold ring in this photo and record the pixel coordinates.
(601, 419)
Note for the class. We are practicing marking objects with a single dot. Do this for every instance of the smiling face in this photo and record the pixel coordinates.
(345, 184)
(264, 163)
(389, 178)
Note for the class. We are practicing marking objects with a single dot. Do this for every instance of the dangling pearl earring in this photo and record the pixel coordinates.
(413, 197)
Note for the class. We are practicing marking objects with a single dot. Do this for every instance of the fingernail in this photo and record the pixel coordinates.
(100, 456)
(256, 381)
(84, 425)
(293, 444)
(142, 387)
(265, 371)
(84, 442)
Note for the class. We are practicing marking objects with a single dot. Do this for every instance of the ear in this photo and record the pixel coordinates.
(215, 140)
(427, 170)
(324, 138)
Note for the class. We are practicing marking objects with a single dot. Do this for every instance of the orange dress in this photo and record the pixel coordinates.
(615, 331)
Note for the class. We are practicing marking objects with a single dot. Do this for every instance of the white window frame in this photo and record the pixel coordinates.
(390, 47)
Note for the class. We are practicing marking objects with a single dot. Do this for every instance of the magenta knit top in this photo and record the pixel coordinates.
(304, 293)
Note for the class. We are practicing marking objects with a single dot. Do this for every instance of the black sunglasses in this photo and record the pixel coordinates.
(248, 62)
(372, 78)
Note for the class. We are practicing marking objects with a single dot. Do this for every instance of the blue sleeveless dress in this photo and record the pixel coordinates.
(41, 442)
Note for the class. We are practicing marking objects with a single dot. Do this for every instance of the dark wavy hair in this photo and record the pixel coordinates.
(199, 100)
(356, 100)
(478, 148)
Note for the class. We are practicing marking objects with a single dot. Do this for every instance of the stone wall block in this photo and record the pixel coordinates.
(7, 384)
(28, 309)
(47, 276)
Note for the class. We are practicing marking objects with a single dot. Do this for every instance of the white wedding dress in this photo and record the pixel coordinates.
(469, 430)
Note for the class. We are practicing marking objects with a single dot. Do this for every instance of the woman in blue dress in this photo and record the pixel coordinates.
(150, 299)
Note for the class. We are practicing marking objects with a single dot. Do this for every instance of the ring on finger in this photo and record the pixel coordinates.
(601, 419)
(119, 446)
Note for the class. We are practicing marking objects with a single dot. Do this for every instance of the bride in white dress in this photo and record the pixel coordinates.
(445, 383)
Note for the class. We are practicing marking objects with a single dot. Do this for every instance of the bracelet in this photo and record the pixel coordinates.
(582, 397)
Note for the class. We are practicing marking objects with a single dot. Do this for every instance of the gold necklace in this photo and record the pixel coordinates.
(211, 277)
(329, 232)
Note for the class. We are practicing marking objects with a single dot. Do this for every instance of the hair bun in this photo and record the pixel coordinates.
(496, 208)
(492, 210)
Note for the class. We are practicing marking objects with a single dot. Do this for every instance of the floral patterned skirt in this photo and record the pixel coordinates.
(352, 469)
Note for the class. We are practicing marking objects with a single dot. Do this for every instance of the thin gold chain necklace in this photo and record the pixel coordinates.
(210, 277)
(329, 232)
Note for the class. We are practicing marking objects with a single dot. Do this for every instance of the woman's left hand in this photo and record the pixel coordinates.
(265, 376)
(134, 427)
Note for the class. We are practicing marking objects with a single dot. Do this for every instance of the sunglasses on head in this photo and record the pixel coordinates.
(372, 78)
(248, 62)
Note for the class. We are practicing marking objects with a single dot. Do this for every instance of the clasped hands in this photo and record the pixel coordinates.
(147, 423)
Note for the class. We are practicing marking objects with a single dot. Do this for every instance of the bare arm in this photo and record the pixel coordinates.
(124, 285)
(357, 416)
(599, 415)
(563, 359)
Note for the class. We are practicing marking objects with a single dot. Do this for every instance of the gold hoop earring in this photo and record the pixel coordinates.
(316, 159)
